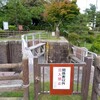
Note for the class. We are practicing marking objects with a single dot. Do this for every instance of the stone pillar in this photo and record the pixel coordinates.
(96, 80)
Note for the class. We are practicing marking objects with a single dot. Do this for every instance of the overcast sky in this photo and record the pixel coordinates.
(83, 4)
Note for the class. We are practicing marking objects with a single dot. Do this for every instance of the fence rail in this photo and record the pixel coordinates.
(15, 81)
(11, 33)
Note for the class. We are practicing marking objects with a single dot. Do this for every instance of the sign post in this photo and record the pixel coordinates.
(61, 79)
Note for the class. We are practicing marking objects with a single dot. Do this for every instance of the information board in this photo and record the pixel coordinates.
(5, 26)
(61, 78)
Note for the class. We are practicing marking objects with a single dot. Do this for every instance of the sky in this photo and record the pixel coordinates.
(83, 4)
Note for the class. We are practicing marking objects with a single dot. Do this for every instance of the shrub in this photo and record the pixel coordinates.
(77, 29)
(96, 46)
(2, 31)
(12, 27)
(90, 32)
(64, 32)
(98, 37)
(89, 39)
(74, 38)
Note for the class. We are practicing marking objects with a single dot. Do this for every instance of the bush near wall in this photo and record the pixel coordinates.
(74, 38)
(2, 31)
(12, 27)
(89, 38)
(96, 46)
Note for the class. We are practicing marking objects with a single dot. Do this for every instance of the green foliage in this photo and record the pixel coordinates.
(59, 12)
(64, 32)
(74, 38)
(12, 27)
(96, 46)
(98, 37)
(91, 13)
(15, 13)
(77, 28)
(89, 38)
(37, 11)
(2, 31)
(98, 20)
(91, 32)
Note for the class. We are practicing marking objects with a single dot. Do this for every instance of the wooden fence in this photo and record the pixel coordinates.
(16, 80)
(84, 67)
(11, 33)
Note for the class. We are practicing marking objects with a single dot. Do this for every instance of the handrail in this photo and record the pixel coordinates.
(25, 48)
(82, 52)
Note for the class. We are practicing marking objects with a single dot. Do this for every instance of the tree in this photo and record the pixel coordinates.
(91, 13)
(37, 11)
(3, 12)
(15, 12)
(98, 20)
(61, 12)
(80, 25)
(18, 13)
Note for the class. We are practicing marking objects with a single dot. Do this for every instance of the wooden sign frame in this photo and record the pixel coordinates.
(61, 90)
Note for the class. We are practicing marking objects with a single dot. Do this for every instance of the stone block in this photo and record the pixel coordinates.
(3, 52)
(15, 51)
(58, 52)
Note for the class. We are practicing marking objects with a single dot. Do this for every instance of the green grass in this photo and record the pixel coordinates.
(40, 34)
(43, 36)
(18, 93)
(62, 97)
(46, 96)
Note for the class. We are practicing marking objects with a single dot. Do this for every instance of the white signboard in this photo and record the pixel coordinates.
(5, 25)
(61, 77)
(53, 33)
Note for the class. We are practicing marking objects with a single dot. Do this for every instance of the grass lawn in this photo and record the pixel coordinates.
(46, 96)
(37, 35)
(42, 36)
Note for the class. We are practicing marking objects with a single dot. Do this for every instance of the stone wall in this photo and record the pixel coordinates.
(15, 51)
(10, 52)
(96, 80)
(58, 52)
(3, 52)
